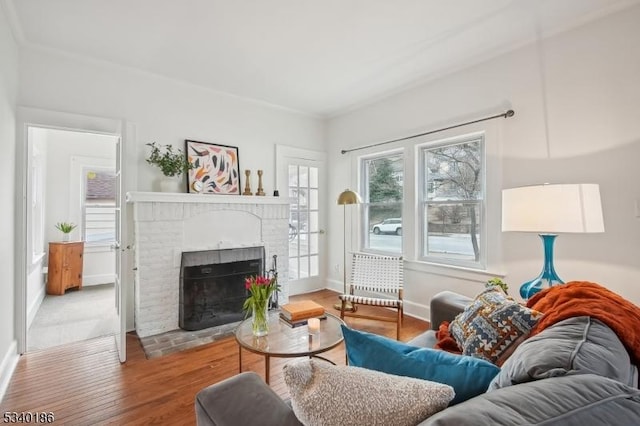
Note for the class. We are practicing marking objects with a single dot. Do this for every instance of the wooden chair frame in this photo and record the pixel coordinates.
(376, 274)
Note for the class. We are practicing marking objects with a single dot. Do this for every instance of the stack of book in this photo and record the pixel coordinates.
(296, 314)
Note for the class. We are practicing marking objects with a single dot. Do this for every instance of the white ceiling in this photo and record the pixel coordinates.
(319, 57)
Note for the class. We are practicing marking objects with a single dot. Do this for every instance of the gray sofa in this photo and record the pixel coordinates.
(576, 372)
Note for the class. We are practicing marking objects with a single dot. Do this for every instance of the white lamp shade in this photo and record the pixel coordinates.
(552, 209)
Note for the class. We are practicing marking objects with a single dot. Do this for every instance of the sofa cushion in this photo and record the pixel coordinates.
(325, 394)
(575, 345)
(241, 400)
(469, 376)
(424, 340)
(573, 400)
(492, 326)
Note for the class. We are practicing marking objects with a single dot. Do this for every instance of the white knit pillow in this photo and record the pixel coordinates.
(325, 394)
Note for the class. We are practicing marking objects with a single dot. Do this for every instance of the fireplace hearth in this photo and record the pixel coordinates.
(212, 289)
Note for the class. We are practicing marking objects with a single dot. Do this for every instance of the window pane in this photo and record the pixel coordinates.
(386, 234)
(313, 243)
(101, 185)
(293, 268)
(313, 199)
(304, 176)
(293, 247)
(385, 177)
(382, 210)
(293, 175)
(304, 243)
(302, 197)
(313, 177)
(453, 230)
(99, 206)
(453, 172)
(304, 267)
(313, 221)
(452, 195)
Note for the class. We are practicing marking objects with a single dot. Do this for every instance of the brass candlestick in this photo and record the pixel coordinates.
(260, 189)
(247, 183)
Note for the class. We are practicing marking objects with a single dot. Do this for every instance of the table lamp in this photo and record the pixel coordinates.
(549, 210)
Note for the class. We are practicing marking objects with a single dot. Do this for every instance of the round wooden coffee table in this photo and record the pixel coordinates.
(284, 341)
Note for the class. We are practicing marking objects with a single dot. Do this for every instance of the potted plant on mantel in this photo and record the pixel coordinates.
(65, 228)
(172, 164)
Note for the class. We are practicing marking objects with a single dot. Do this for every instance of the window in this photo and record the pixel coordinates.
(99, 204)
(383, 181)
(452, 202)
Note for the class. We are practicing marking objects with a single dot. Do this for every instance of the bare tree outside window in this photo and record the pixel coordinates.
(452, 200)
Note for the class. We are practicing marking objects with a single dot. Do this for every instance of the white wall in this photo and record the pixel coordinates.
(164, 111)
(8, 90)
(588, 79)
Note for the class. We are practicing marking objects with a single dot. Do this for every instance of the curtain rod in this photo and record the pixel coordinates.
(506, 114)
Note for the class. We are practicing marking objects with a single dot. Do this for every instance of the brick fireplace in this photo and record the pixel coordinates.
(166, 225)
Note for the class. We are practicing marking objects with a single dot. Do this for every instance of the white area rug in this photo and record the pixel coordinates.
(73, 317)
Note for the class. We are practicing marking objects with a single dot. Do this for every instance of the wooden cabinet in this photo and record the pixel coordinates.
(65, 266)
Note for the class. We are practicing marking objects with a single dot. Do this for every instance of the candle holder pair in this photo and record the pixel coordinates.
(247, 183)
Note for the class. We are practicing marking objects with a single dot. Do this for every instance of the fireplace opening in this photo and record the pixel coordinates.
(212, 289)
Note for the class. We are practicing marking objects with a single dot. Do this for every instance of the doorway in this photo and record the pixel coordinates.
(71, 178)
(301, 173)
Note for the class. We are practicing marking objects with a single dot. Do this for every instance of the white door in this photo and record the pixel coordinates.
(302, 178)
(120, 326)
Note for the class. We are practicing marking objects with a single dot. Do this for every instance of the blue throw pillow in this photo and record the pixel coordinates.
(467, 375)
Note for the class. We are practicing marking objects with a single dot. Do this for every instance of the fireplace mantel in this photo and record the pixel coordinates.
(175, 197)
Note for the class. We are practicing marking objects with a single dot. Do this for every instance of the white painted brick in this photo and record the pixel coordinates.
(143, 212)
(168, 211)
(159, 242)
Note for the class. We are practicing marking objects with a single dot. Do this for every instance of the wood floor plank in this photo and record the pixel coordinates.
(85, 384)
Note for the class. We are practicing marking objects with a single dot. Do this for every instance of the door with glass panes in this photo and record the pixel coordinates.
(304, 182)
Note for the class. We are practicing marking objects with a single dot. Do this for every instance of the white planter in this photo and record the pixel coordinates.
(170, 184)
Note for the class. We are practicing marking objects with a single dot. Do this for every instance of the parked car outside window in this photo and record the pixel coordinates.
(389, 226)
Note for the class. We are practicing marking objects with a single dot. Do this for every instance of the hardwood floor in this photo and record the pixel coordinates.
(85, 384)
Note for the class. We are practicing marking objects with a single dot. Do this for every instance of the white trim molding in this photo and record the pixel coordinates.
(7, 367)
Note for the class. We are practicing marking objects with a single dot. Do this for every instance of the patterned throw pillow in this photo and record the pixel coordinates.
(492, 326)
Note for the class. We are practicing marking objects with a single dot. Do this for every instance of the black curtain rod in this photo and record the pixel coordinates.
(506, 114)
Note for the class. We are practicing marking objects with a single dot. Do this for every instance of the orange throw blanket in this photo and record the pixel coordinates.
(446, 342)
(582, 298)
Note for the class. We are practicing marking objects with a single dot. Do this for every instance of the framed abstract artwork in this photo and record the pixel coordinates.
(215, 168)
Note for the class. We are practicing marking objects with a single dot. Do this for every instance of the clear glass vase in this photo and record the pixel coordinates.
(260, 318)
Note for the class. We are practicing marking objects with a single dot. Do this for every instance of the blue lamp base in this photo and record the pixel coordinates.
(548, 273)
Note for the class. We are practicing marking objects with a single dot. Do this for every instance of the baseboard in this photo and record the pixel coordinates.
(35, 305)
(335, 285)
(416, 310)
(88, 280)
(7, 367)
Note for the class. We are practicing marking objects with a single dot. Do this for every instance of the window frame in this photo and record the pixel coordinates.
(364, 192)
(37, 207)
(422, 202)
(83, 206)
